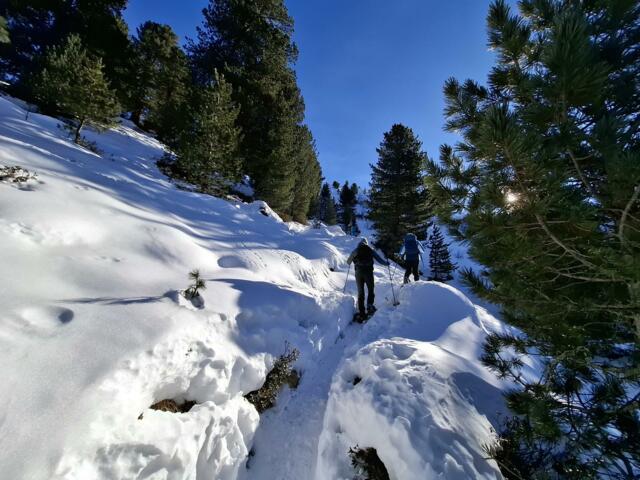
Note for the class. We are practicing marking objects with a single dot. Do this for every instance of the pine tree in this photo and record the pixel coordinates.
(545, 188)
(160, 81)
(207, 153)
(72, 83)
(399, 201)
(439, 258)
(327, 207)
(308, 176)
(347, 206)
(36, 26)
(251, 42)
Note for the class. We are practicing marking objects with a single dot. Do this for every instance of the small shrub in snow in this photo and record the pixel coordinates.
(193, 291)
(16, 174)
(367, 464)
(281, 374)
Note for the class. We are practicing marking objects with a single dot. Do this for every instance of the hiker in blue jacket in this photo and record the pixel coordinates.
(411, 252)
(363, 257)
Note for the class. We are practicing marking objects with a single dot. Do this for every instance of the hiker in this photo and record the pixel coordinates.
(362, 257)
(410, 252)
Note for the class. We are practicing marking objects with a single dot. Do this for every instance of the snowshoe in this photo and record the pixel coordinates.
(359, 317)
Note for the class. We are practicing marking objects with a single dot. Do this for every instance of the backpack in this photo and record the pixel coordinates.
(363, 257)
(411, 249)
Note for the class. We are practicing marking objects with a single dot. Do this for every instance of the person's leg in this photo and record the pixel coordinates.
(360, 281)
(370, 289)
(416, 270)
(407, 271)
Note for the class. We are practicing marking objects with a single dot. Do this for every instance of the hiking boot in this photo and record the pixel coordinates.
(359, 317)
(371, 309)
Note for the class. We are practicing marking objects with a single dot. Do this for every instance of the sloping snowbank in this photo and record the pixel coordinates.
(418, 395)
(93, 330)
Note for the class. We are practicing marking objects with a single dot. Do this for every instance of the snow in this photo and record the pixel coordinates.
(94, 330)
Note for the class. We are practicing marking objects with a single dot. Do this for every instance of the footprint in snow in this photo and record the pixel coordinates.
(43, 321)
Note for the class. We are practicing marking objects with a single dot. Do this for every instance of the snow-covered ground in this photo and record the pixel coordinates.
(93, 331)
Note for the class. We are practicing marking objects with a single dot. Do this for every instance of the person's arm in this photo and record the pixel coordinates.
(350, 259)
(380, 260)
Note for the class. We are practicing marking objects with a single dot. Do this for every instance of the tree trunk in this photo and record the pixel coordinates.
(77, 136)
(136, 117)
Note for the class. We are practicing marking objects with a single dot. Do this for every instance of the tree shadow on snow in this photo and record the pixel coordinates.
(171, 294)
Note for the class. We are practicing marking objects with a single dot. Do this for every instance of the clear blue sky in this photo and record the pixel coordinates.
(366, 64)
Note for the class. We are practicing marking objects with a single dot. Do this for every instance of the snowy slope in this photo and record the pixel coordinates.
(93, 331)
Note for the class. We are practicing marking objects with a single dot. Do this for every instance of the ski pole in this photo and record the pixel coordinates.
(346, 279)
(395, 302)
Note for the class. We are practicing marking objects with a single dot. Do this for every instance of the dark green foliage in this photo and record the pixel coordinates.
(37, 25)
(347, 206)
(4, 33)
(193, 291)
(326, 207)
(251, 43)
(545, 187)
(72, 84)
(280, 375)
(308, 176)
(367, 464)
(160, 81)
(399, 203)
(439, 258)
(207, 153)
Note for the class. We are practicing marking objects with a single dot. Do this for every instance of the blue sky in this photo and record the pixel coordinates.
(366, 64)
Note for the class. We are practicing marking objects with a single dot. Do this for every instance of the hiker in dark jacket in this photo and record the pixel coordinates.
(362, 257)
(410, 252)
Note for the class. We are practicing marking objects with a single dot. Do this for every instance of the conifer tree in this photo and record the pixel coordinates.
(251, 43)
(72, 83)
(545, 186)
(399, 201)
(327, 207)
(308, 176)
(160, 80)
(207, 153)
(35, 26)
(439, 258)
(347, 206)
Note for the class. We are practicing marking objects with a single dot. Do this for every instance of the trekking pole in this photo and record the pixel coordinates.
(395, 302)
(346, 279)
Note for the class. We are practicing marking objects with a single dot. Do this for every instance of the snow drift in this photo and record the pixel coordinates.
(94, 330)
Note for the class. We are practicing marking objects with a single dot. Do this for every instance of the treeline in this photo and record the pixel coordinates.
(228, 104)
(339, 207)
